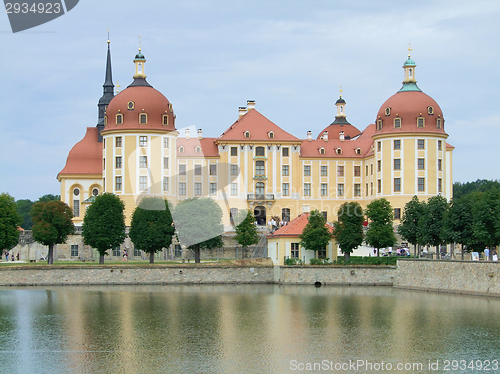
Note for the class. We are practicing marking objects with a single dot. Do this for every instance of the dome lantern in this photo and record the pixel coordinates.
(139, 61)
(409, 82)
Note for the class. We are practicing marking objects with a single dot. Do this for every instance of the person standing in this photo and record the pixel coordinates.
(7, 256)
(486, 254)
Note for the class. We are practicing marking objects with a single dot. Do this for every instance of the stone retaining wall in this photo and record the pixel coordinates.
(338, 275)
(465, 277)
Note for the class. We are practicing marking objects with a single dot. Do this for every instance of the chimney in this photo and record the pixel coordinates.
(187, 134)
(242, 110)
(306, 208)
(200, 136)
(325, 136)
(250, 105)
(341, 136)
(309, 136)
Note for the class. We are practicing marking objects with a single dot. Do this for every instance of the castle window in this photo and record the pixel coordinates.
(397, 184)
(143, 182)
(165, 120)
(234, 170)
(285, 189)
(324, 171)
(307, 189)
(339, 151)
(182, 169)
(182, 188)
(118, 141)
(440, 185)
(76, 208)
(130, 105)
(421, 184)
(143, 141)
(119, 119)
(387, 111)
(197, 169)
(430, 110)
(260, 151)
(197, 189)
(397, 123)
(181, 149)
(213, 188)
(165, 142)
(379, 124)
(165, 184)
(340, 189)
(357, 189)
(324, 189)
(421, 163)
(105, 120)
(76, 191)
(118, 183)
(397, 144)
(260, 188)
(397, 213)
(285, 170)
(421, 143)
(357, 171)
(95, 192)
(397, 164)
(259, 168)
(143, 118)
(440, 164)
(358, 151)
(438, 123)
(340, 171)
(307, 170)
(118, 162)
(271, 135)
(322, 151)
(440, 145)
(285, 151)
(143, 161)
(234, 151)
(247, 134)
(198, 149)
(379, 146)
(213, 169)
(165, 163)
(379, 165)
(420, 122)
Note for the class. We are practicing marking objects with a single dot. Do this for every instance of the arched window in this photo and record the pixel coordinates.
(420, 122)
(339, 151)
(165, 120)
(119, 119)
(438, 123)
(143, 119)
(358, 151)
(247, 134)
(379, 124)
(397, 123)
(285, 214)
(322, 151)
(271, 135)
(181, 149)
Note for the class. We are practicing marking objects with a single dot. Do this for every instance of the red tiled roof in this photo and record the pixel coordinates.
(335, 129)
(86, 156)
(349, 147)
(207, 145)
(449, 146)
(295, 227)
(259, 128)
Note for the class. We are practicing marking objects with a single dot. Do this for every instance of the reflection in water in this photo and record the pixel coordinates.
(236, 329)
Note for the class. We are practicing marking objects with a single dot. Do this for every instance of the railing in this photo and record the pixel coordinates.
(261, 197)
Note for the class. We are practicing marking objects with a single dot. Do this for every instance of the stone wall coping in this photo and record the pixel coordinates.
(121, 267)
(448, 261)
(339, 266)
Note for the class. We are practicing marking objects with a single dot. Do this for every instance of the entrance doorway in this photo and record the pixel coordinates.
(260, 215)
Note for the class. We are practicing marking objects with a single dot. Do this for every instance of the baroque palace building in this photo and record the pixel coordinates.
(135, 150)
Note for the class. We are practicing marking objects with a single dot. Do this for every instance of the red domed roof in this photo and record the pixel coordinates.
(410, 105)
(86, 156)
(334, 131)
(136, 100)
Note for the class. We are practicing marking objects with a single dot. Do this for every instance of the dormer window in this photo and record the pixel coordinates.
(430, 110)
(438, 123)
(130, 105)
(387, 111)
(271, 135)
(420, 122)
(339, 151)
(105, 120)
(143, 118)
(397, 123)
(379, 124)
(181, 149)
(247, 134)
(322, 151)
(170, 108)
(358, 151)
(198, 149)
(119, 119)
(165, 120)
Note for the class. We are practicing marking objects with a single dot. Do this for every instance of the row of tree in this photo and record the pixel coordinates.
(348, 230)
(196, 222)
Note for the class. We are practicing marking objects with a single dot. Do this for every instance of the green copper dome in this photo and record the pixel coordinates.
(409, 62)
(139, 56)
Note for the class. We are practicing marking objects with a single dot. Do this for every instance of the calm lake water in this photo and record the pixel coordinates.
(243, 329)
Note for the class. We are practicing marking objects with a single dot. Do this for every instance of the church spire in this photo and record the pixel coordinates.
(107, 93)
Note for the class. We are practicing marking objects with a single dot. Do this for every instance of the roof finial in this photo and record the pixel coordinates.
(409, 50)
(139, 42)
(341, 91)
(117, 87)
(108, 35)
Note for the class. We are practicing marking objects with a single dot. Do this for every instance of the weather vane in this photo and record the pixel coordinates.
(409, 50)
(117, 87)
(139, 42)
(341, 91)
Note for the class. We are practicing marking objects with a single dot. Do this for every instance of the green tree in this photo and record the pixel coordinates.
(246, 231)
(51, 224)
(459, 221)
(199, 224)
(24, 209)
(348, 230)
(432, 225)
(408, 226)
(9, 220)
(480, 185)
(486, 215)
(380, 233)
(316, 234)
(48, 197)
(104, 224)
(152, 226)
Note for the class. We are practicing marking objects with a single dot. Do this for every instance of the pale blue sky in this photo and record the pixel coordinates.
(210, 57)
